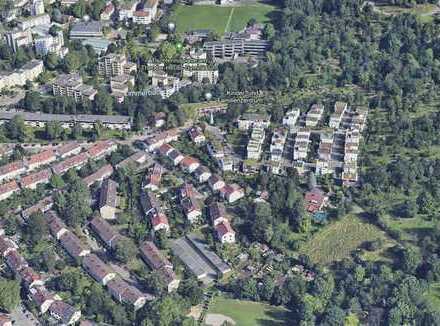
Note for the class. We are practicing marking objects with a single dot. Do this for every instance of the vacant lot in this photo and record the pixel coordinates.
(219, 19)
(247, 313)
(339, 239)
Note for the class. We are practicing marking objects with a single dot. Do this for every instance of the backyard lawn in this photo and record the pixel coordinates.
(339, 239)
(219, 19)
(247, 313)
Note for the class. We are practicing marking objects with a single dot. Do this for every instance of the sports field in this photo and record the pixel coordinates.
(219, 19)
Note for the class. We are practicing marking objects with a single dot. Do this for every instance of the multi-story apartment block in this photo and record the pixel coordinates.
(46, 43)
(30, 71)
(236, 46)
(17, 38)
(301, 147)
(33, 21)
(115, 65)
(71, 85)
(37, 7)
(277, 143)
(252, 120)
(314, 115)
(291, 118)
(255, 144)
(336, 117)
(127, 10)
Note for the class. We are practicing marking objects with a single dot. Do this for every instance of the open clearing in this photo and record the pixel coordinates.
(219, 19)
(247, 313)
(339, 239)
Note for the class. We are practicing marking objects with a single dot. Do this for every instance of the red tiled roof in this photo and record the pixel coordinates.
(100, 148)
(140, 13)
(154, 258)
(188, 161)
(164, 149)
(11, 167)
(69, 163)
(41, 157)
(32, 178)
(159, 218)
(9, 186)
(224, 228)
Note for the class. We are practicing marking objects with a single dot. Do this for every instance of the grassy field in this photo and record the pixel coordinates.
(219, 19)
(247, 313)
(340, 238)
(423, 11)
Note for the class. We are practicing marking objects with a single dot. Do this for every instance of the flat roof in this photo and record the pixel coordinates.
(90, 118)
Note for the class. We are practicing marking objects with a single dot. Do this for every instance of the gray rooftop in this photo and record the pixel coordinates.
(45, 117)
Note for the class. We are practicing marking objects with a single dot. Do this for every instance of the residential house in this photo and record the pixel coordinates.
(64, 313)
(15, 261)
(217, 213)
(56, 225)
(164, 137)
(128, 294)
(29, 277)
(105, 232)
(12, 170)
(141, 17)
(189, 164)
(196, 135)
(7, 246)
(40, 159)
(31, 181)
(101, 174)
(158, 262)
(202, 174)
(68, 149)
(8, 189)
(315, 200)
(232, 193)
(189, 202)
(127, 10)
(215, 182)
(73, 245)
(102, 149)
(42, 298)
(159, 221)
(176, 157)
(225, 233)
(152, 180)
(41, 206)
(108, 199)
(72, 162)
(98, 269)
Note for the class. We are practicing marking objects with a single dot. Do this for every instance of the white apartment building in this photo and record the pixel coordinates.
(17, 38)
(47, 43)
(115, 65)
(141, 17)
(32, 21)
(301, 146)
(127, 10)
(71, 85)
(277, 144)
(37, 7)
(336, 117)
(255, 144)
(314, 115)
(29, 71)
(291, 118)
